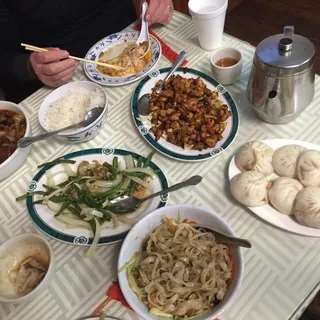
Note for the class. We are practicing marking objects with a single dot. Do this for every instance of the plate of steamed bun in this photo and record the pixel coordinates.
(279, 181)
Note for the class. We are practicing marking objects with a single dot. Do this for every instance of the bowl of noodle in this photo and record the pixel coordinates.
(169, 269)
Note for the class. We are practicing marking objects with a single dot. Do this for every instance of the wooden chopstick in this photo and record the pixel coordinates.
(102, 64)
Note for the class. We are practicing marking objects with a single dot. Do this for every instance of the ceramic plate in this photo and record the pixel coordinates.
(267, 212)
(169, 149)
(117, 42)
(44, 219)
(138, 234)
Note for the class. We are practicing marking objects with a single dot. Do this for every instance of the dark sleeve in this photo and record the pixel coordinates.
(14, 63)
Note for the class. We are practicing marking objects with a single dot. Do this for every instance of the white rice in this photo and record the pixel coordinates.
(72, 108)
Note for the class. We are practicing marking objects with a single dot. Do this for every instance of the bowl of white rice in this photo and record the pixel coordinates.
(69, 105)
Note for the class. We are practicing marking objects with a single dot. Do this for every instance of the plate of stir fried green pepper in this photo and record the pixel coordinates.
(69, 198)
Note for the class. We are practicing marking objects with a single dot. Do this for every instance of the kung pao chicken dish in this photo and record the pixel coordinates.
(188, 114)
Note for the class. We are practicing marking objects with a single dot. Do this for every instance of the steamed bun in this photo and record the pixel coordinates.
(250, 188)
(283, 192)
(256, 156)
(284, 160)
(308, 168)
(306, 207)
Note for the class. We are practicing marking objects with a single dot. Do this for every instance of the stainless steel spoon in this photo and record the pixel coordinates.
(91, 116)
(144, 101)
(128, 204)
(224, 238)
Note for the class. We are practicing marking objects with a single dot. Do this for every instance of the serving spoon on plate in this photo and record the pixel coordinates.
(91, 116)
(144, 101)
(144, 32)
(127, 204)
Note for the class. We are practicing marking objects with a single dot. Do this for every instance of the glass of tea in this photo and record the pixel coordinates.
(226, 65)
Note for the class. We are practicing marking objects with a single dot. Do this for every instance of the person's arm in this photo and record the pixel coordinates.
(14, 64)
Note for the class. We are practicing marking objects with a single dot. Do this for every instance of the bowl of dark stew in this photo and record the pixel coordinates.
(14, 125)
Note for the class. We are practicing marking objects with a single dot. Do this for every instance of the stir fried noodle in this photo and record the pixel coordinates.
(181, 271)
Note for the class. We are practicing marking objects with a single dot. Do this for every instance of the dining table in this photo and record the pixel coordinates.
(281, 270)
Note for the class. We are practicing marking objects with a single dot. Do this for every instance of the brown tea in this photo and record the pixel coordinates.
(226, 62)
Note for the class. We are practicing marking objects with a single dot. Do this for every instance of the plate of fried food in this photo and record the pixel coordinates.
(193, 118)
(121, 49)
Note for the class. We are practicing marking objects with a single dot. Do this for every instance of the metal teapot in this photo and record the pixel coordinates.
(281, 82)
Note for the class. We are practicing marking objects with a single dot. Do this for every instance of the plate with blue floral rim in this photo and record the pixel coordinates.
(117, 43)
(162, 145)
(44, 218)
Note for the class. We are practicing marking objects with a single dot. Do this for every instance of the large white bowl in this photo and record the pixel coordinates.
(83, 134)
(19, 156)
(147, 224)
(10, 245)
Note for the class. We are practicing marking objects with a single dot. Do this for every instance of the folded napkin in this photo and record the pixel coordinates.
(113, 293)
(166, 50)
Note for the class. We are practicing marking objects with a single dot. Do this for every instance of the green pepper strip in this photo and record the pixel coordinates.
(148, 160)
(31, 194)
(55, 162)
(139, 164)
(63, 207)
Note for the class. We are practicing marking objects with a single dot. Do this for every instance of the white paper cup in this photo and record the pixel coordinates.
(209, 17)
(226, 75)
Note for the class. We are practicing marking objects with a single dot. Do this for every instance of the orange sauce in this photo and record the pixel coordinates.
(226, 62)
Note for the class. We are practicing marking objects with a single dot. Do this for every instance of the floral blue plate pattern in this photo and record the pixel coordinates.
(107, 43)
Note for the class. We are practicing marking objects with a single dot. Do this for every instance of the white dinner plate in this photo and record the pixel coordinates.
(117, 42)
(267, 212)
(44, 219)
(162, 145)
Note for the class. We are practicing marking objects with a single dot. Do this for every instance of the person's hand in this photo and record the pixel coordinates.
(52, 67)
(159, 11)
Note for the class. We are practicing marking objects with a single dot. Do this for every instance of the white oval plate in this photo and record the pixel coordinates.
(162, 145)
(44, 219)
(267, 212)
(115, 41)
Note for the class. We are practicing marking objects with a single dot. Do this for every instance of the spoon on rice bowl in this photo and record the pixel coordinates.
(91, 116)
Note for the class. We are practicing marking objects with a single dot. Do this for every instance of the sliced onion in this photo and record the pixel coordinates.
(126, 220)
(106, 203)
(90, 213)
(115, 219)
(141, 182)
(121, 165)
(126, 183)
(148, 171)
(54, 206)
(46, 198)
(95, 239)
(73, 222)
(108, 184)
(129, 161)
(50, 179)
(69, 172)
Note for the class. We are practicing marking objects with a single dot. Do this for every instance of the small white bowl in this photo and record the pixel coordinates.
(20, 154)
(83, 134)
(134, 240)
(226, 75)
(31, 240)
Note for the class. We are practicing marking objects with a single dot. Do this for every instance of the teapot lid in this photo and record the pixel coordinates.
(286, 51)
